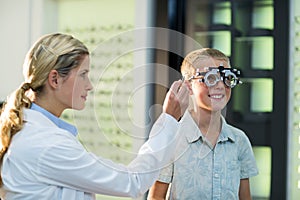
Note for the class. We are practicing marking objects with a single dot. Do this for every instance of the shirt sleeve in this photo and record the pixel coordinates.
(247, 159)
(67, 164)
(166, 174)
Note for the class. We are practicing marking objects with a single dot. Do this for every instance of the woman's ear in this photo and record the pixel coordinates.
(53, 79)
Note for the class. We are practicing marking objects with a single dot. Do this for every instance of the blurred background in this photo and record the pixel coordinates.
(137, 47)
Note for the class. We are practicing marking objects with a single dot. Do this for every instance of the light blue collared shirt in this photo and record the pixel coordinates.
(60, 123)
(210, 173)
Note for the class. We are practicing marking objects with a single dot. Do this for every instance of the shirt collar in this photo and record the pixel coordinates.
(193, 133)
(189, 127)
(57, 121)
(226, 132)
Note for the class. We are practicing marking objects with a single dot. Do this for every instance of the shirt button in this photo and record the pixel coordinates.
(217, 175)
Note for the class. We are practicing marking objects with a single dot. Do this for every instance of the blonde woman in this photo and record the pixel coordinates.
(40, 155)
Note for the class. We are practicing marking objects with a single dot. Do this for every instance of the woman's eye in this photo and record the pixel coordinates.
(83, 74)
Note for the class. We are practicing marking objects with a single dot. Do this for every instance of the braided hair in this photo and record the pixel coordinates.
(55, 51)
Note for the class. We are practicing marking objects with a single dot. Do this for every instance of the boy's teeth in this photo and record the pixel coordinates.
(216, 96)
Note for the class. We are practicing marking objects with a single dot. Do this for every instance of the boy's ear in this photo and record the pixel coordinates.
(53, 79)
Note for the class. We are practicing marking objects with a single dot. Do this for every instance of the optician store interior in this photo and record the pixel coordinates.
(137, 47)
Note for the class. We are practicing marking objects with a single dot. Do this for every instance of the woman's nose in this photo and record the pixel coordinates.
(90, 85)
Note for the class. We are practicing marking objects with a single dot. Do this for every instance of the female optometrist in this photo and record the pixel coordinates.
(40, 155)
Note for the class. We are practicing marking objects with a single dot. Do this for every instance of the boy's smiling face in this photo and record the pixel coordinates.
(213, 98)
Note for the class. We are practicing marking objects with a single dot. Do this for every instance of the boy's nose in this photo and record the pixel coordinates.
(219, 83)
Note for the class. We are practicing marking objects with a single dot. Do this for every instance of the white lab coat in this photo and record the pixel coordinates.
(47, 162)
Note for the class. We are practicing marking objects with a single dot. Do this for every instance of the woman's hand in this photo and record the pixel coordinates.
(177, 99)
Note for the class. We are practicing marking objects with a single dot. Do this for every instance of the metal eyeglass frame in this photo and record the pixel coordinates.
(229, 76)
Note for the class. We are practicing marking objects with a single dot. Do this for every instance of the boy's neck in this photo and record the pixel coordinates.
(209, 123)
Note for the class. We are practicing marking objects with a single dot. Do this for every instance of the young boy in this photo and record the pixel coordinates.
(218, 160)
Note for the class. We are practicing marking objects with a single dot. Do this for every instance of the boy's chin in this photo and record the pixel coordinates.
(217, 108)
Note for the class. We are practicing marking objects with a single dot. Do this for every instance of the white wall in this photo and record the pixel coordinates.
(21, 24)
(14, 42)
(293, 174)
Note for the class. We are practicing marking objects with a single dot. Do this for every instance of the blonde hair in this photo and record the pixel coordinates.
(192, 61)
(51, 52)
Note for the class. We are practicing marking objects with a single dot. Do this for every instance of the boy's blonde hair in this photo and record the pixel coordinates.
(193, 60)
